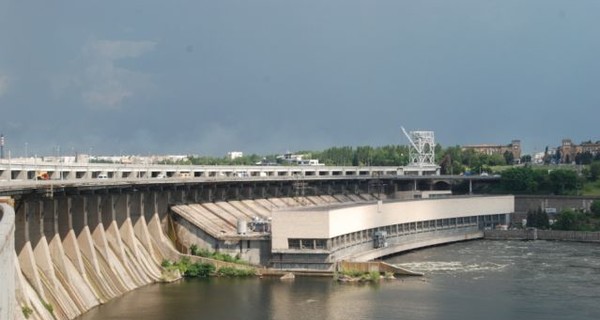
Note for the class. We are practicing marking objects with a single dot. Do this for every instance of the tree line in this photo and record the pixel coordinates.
(453, 160)
(567, 219)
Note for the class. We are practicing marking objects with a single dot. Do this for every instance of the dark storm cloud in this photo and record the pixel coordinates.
(209, 77)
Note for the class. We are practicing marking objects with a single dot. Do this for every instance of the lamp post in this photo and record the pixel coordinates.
(1, 145)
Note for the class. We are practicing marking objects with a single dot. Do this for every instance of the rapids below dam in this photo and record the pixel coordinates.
(470, 280)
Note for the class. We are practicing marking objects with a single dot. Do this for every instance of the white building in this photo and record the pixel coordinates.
(234, 155)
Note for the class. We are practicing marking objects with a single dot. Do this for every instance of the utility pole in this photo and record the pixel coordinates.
(1, 145)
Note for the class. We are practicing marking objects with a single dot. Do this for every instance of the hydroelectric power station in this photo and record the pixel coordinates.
(76, 241)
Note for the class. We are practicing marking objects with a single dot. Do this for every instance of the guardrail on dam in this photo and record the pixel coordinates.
(20, 171)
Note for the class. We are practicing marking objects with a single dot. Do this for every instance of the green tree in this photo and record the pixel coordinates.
(526, 159)
(563, 181)
(595, 170)
(595, 208)
(584, 158)
(199, 270)
(519, 180)
(497, 160)
(508, 157)
(451, 160)
(570, 220)
(538, 219)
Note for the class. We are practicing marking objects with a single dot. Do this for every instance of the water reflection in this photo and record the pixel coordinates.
(480, 279)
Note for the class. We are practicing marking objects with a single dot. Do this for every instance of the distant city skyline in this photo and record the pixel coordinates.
(208, 77)
(75, 152)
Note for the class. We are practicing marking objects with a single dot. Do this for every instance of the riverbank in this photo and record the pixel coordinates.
(536, 234)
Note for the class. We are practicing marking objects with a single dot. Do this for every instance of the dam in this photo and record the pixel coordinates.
(78, 244)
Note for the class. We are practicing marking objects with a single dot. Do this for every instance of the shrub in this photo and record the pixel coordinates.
(373, 276)
(235, 272)
(595, 207)
(27, 311)
(194, 250)
(166, 263)
(199, 270)
(48, 306)
(204, 253)
(352, 273)
(571, 220)
(183, 264)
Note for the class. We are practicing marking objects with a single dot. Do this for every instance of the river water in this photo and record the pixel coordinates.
(470, 280)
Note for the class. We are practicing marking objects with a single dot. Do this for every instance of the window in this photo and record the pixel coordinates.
(294, 243)
(320, 244)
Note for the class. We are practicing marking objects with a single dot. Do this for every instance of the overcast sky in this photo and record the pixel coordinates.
(207, 77)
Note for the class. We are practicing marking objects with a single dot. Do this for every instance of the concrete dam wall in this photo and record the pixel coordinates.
(8, 269)
(76, 247)
(77, 252)
(538, 234)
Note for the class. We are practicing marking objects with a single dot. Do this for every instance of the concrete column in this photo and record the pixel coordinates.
(141, 228)
(26, 256)
(136, 203)
(84, 236)
(64, 216)
(35, 214)
(124, 209)
(96, 226)
(117, 205)
(70, 245)
(94, 209)
(195, 195)
(182, 196)
(79, 213)
(168, 197)
(36, 234)
(263, 192)
(209, 195)
(162, 205)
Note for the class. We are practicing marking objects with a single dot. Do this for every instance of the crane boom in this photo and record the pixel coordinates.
(410, 139)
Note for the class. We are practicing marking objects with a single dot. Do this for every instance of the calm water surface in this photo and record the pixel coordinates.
(471, 280)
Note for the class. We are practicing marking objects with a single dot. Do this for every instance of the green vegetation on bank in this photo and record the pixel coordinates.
(568, 219)
(190, 269)
(360, 276)
(195, 251)
(563, 180)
